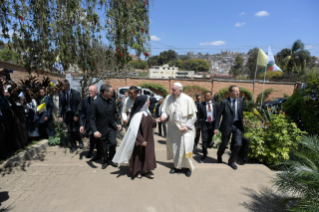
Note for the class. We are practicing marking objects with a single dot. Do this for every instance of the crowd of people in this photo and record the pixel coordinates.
(102, 114)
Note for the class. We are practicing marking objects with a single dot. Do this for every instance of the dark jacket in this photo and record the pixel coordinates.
(202, 113)
(227, 112)
(198, 106)
(83, 113)
(158, 112)
(103, 115)
(75, 99)
(48, 113)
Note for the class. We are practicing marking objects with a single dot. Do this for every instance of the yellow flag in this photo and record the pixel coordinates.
(28, 50)
(262, 58)
(42, 107)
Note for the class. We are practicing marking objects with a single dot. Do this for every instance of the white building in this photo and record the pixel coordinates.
(165, 72)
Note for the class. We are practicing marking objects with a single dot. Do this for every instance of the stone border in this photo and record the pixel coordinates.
(26, 154)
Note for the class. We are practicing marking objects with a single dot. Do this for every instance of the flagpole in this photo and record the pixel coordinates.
(255, 79)
(262, 94)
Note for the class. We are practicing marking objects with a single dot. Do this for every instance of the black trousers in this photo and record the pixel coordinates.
(73, 129)
(107, 145)
(197, 136)
(237, 142)
(94, 142)
(207, 135)
(160, 125)
(46, 129)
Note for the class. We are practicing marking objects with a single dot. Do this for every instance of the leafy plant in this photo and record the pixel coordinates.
(293, 107)
(266, 94)
(155, 87)
(54, 141)
(286, 95)
(299, 175)
(218, 138)
(271, 136)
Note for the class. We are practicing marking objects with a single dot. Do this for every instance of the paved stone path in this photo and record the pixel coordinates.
(56, 180)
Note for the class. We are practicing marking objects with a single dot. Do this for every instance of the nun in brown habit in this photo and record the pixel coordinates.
(137, 147)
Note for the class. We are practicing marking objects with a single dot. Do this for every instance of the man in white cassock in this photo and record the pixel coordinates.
(181, 110)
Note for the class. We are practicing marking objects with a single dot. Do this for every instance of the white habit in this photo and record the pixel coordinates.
(179, 145)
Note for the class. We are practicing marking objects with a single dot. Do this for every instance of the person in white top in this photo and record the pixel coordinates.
(181, 110)
(128, 103)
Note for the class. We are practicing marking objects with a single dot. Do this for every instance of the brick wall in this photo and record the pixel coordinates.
(280, 88)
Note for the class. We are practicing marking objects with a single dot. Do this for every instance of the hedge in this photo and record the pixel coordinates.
(192, 90)
(267, 92)
(223, 91)
(154, 86)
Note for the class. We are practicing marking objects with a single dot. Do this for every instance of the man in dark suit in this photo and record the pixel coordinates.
(207, 117)
(152, 104)
(84, 116)
(197, 126)
(158, 113)
(104, 120)
(69, 100)
(45, 118)
(232, 123)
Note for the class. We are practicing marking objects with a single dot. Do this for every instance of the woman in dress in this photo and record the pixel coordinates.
(138, 146)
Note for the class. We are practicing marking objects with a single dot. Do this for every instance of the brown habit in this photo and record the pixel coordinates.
(144, 157)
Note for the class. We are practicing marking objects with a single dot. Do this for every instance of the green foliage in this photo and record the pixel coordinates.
(176, 63)
(9, 55)
(217, 138)
(164, 58)
(54, 141)
(267, 92)
(310, 105)
(143, 74)
(155, 87)
(237, 68)
(192, 90)
(299, 176)
(271, 135)
(251, 63)
(293, 106)
(224, 91)
(138, 64)
(196, 65)
(271, 74)
(286, 95)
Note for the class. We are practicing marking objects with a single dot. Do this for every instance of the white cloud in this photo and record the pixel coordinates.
(240, 24)
(243, 13)
(309, 46)
(154, 38)
(262, 13)
(214, 43)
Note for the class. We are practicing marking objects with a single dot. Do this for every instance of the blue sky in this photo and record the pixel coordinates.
(208, 26)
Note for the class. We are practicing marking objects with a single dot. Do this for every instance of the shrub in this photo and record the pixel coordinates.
(271, 137)
(54, 141)
(192, 90)
(267, 92)
(155, 87)
(243, 91)
(293, 107)
(310, 105)
(299, 176)
(138, 64)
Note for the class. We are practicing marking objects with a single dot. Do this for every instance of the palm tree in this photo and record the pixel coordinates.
(299, 175)
(294, 57)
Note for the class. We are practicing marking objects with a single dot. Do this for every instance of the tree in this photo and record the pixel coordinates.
(138, 64)
(167, 56)
(251, 63)
(237, 68)
(176, 63)
(153, 61)
(197, 65)
(295, 57)
(185, 57)
(7, 55)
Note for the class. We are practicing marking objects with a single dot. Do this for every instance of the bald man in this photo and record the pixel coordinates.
(84, 115)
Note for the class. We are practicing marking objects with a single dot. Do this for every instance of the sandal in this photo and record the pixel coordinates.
(149, 175)
(139, 175)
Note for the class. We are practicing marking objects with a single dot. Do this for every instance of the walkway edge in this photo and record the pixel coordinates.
(26, 154)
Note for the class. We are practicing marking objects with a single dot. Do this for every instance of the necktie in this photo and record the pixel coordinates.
(233, 107)
(68, 100)
(209, 110)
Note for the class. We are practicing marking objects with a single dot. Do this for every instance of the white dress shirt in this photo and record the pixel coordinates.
(67, 97)
(211, 114)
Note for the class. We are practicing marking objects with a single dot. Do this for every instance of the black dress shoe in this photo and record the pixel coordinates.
(104, 165)
(96, 158)
(112, 164)
(72, 149)
(219, 160)
(232, 164)
(188, 173)
(173, 171)
(203, 157)
(81, 145)
(89, 155)
(195, 148)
